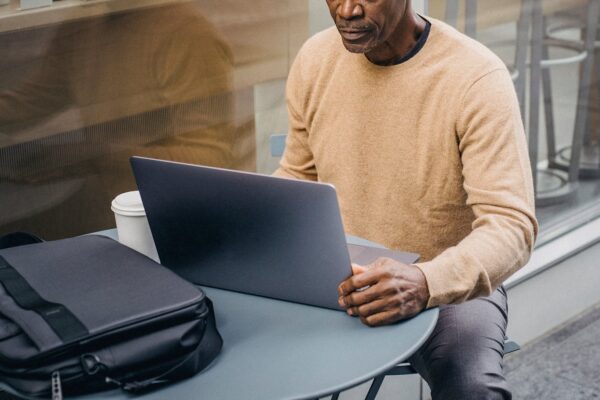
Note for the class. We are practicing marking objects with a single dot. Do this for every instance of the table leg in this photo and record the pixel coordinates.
(374, 389)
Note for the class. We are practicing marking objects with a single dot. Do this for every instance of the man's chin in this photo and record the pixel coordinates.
(355, 48)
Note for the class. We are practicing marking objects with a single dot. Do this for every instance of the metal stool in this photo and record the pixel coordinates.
(554, 185)
(589, 163)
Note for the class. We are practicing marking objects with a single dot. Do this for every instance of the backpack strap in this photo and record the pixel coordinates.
(62, 321)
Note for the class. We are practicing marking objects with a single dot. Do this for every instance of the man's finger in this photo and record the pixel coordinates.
(367, 278)
(358, 298)
(372, 308)
(382, 318)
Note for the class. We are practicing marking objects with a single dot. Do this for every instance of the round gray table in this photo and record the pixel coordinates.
(276, 350)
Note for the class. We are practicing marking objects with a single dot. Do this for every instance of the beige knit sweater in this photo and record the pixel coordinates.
(427, 156)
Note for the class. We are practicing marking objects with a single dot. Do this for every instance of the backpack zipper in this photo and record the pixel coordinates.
(56, 386)
(197, 310)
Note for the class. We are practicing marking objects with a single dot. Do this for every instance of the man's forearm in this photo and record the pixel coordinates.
(497, 247)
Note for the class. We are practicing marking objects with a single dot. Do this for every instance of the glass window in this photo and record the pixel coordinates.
(85, 85)
(550, 47)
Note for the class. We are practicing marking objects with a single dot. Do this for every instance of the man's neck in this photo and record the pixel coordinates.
(400, 42)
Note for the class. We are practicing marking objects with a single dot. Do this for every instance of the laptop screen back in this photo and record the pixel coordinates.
(246, 232)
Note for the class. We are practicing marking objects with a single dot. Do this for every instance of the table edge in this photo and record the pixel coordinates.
(384, 368)
(112, 233)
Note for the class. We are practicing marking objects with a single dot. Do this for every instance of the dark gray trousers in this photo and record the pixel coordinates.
(462, 359)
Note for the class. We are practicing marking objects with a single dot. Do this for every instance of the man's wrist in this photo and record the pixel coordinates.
(424, 295)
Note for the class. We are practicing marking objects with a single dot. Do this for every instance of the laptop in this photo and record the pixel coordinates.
(250, 233)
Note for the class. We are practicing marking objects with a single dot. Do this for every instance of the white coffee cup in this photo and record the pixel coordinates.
(132, 224)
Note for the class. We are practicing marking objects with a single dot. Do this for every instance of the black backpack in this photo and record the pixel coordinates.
(87, 314)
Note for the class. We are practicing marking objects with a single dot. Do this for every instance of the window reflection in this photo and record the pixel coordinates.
(202, 81)
(557, 85)
(154, 82)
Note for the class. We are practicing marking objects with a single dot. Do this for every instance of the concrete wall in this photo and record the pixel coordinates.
(551, 298)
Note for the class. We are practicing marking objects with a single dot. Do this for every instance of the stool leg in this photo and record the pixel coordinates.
(537, 36)
(597, 63)
(521, 53)
(588, 137)
(335, 396)
(584, 89)
(548, 104)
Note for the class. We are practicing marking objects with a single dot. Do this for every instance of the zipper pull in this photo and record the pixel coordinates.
(112, 381)
(56, 386)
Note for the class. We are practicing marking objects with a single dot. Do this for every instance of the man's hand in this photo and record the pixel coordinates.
(391, 291)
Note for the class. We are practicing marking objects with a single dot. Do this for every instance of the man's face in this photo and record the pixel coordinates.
(366, 24)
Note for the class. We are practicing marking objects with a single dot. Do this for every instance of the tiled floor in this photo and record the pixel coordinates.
(563, 365)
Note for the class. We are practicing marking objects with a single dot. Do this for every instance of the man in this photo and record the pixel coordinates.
(418, 127)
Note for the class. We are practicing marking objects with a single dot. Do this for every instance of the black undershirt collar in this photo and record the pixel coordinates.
(418, 46)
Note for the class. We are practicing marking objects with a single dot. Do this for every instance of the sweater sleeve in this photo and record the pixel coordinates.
(498, 182)
(297, 160)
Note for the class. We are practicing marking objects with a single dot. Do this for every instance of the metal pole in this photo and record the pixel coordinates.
(548, 104)
(523, 25)
(537, 36)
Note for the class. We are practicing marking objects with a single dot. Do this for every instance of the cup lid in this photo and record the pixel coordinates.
(128, 204)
